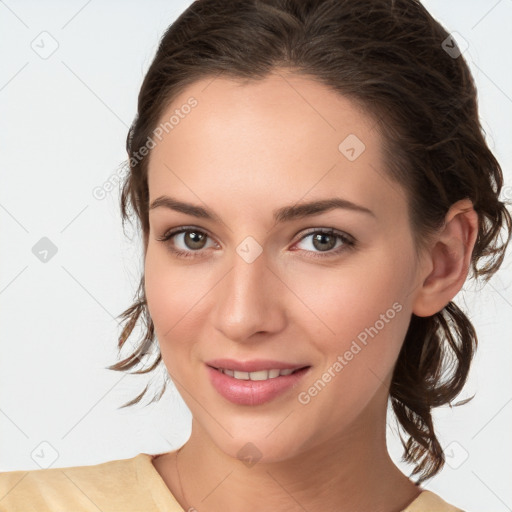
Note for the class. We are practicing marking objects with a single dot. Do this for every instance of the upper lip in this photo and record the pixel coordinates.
(253, 365)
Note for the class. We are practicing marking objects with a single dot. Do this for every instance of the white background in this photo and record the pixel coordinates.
(63, 124)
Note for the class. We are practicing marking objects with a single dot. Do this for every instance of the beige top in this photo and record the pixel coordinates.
(126, 485)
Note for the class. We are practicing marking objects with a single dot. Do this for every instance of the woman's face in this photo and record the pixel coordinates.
(256, 287)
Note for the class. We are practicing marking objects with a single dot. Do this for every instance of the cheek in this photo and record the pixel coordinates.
(170, 299)
(161, 291)
(366, 312)
(346, 300)
(361, 311)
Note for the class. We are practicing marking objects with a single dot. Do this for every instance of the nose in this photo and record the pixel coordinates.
(250, 299)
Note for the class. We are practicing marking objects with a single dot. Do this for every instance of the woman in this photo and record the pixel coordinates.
(264, 131)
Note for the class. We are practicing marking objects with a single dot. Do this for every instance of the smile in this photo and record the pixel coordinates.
(258, 386)
(259, 375)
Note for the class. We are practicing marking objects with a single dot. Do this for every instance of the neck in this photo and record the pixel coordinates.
(350, 471)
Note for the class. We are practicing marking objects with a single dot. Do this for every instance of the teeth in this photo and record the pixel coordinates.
(259, 375)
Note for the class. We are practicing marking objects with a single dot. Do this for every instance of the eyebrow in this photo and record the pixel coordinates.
(285, 214)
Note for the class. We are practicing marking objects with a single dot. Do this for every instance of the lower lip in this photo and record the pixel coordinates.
(253, 392)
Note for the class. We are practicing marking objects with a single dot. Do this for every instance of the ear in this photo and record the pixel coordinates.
(448, 260)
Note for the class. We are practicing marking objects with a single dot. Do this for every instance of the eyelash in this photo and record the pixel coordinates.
(349, 242)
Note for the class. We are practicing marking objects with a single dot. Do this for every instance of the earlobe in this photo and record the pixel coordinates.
(449, 259)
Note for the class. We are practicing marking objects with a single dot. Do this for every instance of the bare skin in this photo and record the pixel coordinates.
(242, 152)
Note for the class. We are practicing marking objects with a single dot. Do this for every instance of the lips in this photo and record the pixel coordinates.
(254, 382)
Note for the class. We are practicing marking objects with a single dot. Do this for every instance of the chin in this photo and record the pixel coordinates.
(253, 447)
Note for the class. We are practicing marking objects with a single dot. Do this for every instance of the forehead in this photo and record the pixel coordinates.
(299, 103)
(285, 136)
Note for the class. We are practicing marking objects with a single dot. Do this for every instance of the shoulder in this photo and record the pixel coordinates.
(112, 485)
(428, 501)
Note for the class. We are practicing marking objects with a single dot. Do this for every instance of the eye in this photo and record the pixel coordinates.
(323, 241)
(191, 237)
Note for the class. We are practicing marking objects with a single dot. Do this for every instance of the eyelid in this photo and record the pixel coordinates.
(330, 231)
(168, 235)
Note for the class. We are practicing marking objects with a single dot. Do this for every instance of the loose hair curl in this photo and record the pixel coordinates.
(388, 57)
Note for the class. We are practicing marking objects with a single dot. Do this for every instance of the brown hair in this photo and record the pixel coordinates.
(391, 58)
